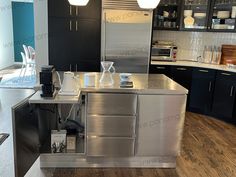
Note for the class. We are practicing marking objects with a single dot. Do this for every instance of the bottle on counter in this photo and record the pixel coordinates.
(216, 55)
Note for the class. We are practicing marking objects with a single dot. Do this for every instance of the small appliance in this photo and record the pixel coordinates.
(164, 51)
(47, 81)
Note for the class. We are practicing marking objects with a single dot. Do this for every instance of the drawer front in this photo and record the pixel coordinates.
(112, 104)
(111, 126)
(110, 146)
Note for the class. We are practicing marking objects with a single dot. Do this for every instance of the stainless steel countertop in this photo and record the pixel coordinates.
(143, 84)
(8, 99)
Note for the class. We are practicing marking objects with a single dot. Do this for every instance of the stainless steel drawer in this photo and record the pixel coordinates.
(110, 146)
(111, 125)
(112, 104)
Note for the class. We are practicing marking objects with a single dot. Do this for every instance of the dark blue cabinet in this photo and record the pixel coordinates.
(202, 89)
(224, 95)
(74, 36)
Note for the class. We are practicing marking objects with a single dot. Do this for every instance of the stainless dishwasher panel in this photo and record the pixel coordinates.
(110, 146)
(111, 125)
(160, 125)
(112, 104)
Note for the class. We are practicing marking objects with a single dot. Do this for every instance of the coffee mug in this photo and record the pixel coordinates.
(89, 79)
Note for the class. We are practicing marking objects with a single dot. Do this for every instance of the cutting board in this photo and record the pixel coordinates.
(228, 53)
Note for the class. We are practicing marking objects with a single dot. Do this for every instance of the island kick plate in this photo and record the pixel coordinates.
(3, 137)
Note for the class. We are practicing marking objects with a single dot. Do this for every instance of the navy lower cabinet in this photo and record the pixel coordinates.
(224, 96)
(202, 89)
(183, 76)
(160, 69)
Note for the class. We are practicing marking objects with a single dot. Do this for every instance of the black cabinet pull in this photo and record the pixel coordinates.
(70, 67)
(70, 25)
(181, 69)
(160, 67)
(232, 91)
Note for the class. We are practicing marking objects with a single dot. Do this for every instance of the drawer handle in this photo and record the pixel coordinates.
(76, 11)
(70, 10)
(226, 74)
(204, 71)
(160, 67)
(181, 69)
(76, 25)
(232, 91)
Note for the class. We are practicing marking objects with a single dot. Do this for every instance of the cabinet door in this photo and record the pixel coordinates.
(159, 69)
(60, 46)
(195, 14)
(167, 15)
(86, 42)
(26, 137)
(182, 75)
(60, 8)
(222, 16)
(91, 11)
(160, 124)
(202, 88)
(224, 95)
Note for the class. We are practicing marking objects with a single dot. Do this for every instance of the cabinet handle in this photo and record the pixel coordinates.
(226, 74)
(70, 67)
(77, 11)
(70, 25)
(76, 25)
(232, 91)
(160, 67)
(210, 84)
(76, 68)
(204, 71)
(181, 69)
(70, 10)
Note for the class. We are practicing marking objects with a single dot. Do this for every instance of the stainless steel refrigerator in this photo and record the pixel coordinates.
(126, 35)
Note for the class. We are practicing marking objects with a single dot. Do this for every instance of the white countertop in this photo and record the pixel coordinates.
(194, 64)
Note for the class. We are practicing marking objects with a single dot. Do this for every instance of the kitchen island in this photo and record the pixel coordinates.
(124, 127)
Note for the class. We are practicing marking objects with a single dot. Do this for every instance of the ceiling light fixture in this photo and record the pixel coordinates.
(78, 2)
(148, 4)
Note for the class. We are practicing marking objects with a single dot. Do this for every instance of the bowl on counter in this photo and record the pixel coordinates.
(125, 76)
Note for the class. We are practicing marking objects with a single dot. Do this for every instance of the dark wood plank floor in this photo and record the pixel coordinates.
(208, 150)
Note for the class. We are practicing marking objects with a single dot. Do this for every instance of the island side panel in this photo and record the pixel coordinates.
(160, 124)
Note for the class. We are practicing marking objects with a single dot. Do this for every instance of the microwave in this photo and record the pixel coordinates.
(162, 52)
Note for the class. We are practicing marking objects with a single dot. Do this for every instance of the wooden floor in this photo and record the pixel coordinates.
(208, 150)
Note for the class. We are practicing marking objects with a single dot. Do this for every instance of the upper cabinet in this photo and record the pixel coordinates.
(223, 14)
(196, 15)
(166, 15)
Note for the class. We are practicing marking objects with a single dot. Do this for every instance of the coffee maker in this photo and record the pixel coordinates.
(47, 81)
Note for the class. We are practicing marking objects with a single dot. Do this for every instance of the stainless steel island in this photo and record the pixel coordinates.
(125, 127)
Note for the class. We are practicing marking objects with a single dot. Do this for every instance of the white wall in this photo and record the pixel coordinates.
(41, 32)
(191, 44)
(6, 34)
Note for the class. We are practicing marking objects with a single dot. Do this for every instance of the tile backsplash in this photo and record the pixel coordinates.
(191, 44)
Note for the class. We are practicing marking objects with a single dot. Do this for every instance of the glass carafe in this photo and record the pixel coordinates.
(106, 79)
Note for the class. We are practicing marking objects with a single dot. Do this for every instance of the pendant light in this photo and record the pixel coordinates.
(78, 2)
(148, 4)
